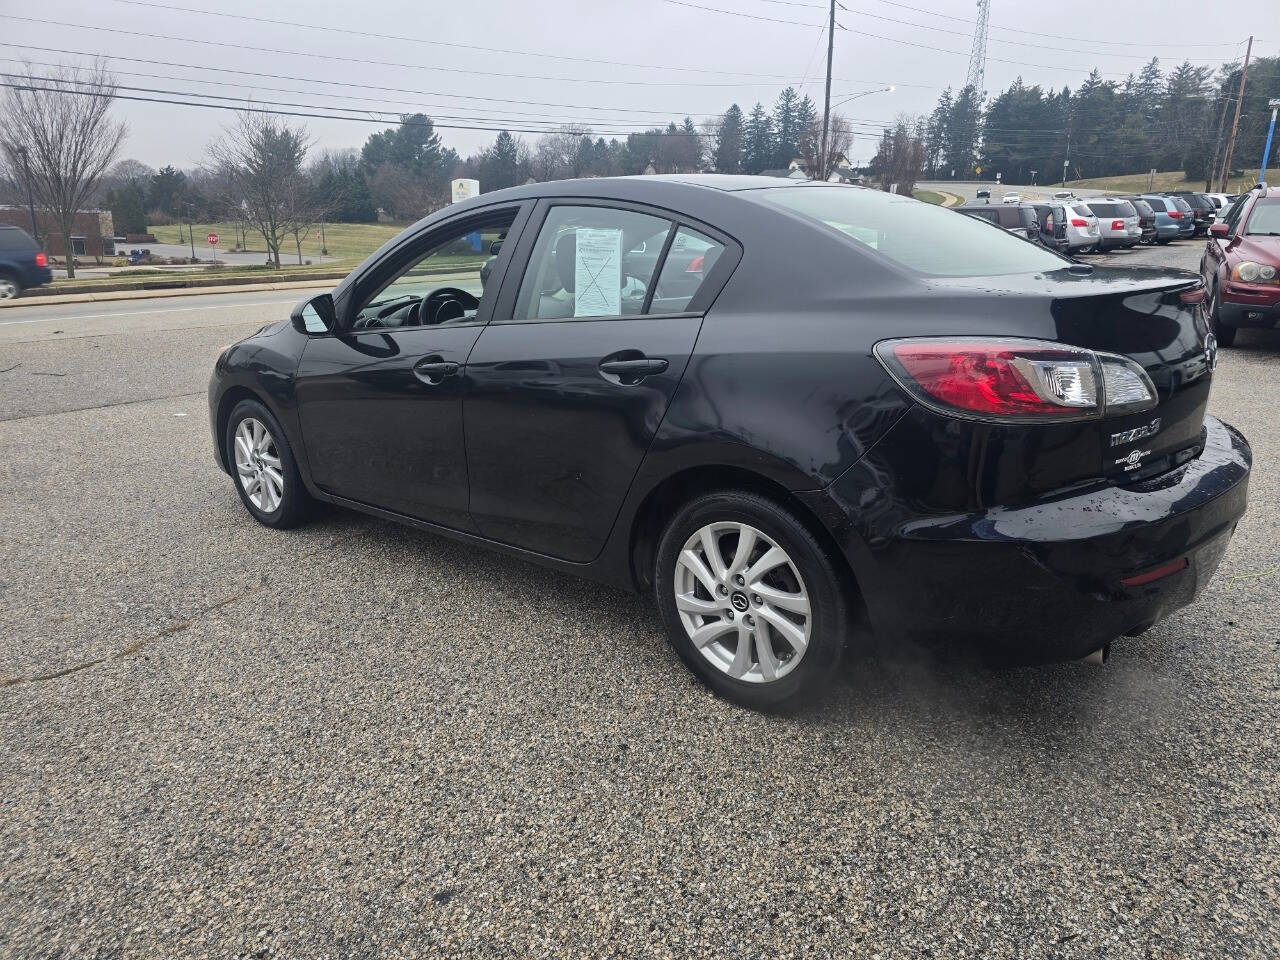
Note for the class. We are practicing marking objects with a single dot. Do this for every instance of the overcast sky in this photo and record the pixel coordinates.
(684, 58)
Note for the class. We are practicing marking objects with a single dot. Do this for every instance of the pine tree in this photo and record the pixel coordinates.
(962, 133)
(729, 141)
(786, 128)
(758, 151)
(936, 134)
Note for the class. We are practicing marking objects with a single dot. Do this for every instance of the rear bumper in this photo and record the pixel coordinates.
(37, 277)
(1043, 583)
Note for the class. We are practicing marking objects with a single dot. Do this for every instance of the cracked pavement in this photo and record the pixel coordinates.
(358, 740)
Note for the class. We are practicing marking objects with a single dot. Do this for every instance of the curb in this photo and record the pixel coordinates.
(107, 295)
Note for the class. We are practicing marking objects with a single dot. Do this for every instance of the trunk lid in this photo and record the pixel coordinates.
(1137, 313)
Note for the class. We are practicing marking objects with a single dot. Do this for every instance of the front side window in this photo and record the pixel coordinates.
(919, 236)
(1265, 219)
(442, 284)
(591, 262)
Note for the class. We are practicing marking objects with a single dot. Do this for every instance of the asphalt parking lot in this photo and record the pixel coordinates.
(357, 740)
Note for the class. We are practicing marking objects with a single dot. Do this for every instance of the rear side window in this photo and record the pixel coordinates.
(919, 236)
(591, 262)
(689, 261)
(15, 240)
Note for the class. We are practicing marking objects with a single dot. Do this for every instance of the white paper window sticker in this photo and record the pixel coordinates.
(597, 272)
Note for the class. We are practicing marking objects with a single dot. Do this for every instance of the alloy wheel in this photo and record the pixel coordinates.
(8, 288)
(258, 465)
(742, 602)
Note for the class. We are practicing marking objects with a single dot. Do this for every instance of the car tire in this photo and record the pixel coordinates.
(10, 287)
(798, 593)
(1225, 334)
(263, 468)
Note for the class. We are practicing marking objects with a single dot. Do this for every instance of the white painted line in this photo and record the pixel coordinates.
(143, 313)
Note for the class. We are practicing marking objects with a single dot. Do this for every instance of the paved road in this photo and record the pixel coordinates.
(355, 740)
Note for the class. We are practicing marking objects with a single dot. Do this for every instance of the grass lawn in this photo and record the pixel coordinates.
(1171, 180)
(928, 196)
(351, 242)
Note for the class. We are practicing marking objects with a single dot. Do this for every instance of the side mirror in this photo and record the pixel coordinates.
(495, 247)
(314, 316)
(1219, 230)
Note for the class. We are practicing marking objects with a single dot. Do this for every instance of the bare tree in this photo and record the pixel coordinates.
(261, 157)
(58, 127)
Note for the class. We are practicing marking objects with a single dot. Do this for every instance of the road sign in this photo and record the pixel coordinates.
(213, 239)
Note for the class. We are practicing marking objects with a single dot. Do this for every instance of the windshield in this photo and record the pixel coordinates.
(919, 236)
(1265, 219)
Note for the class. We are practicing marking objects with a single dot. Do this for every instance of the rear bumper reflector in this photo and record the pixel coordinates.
(1160, 572)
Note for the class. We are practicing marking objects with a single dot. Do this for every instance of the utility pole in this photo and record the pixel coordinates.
(826, 103)
(1235, 123)
(1066, 160)
(1217, 147)
(31, 207)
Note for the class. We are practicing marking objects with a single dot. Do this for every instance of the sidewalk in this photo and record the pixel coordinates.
(54, 298)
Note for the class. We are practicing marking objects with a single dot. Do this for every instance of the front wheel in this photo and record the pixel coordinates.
(1225, 334)
(750, 599)
(262, 464)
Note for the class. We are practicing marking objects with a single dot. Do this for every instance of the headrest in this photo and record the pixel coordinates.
(566, 259)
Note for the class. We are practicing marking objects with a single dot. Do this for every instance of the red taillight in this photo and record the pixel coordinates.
(41, 260)
(1164, 570)
(1027, 379)
(1117, 224)
(1176, 214)
(1198, 295)
(1077, 222)
(695, 265)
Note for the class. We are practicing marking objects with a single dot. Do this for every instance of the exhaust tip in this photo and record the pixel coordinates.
(1099, 656)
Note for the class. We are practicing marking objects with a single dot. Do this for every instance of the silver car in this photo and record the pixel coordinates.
(1118, 224)
(1069, 228)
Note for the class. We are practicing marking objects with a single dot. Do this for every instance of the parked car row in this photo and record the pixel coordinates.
(1077, 225)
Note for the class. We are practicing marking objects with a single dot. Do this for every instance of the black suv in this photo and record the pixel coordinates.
(1203, 209)
(22, 264)
(1018, 218)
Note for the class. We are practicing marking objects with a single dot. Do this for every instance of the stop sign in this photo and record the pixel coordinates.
(213, 239)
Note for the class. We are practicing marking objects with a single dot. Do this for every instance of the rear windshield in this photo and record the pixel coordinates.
(1081, 209)
(12, 238)
(1181, 204)
(990, 214)
(915, 235)
(1143, 208)
(1157, 204)
(1265, 219)
(1121, 208)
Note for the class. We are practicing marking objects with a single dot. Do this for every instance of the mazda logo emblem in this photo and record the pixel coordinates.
(739, 601)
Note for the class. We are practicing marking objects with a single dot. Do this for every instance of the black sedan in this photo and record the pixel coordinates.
(783, 407)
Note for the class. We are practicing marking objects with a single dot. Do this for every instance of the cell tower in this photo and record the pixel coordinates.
(978, 53)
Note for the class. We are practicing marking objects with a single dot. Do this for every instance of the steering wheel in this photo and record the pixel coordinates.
(445, 304)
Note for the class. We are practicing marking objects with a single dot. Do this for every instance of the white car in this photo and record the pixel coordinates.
(1222, 204)
(1011, 197)
(1063, 195)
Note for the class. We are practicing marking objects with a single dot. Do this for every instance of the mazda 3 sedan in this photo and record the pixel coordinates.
(782, 407)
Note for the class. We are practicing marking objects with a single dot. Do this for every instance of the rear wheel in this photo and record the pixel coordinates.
(1225, 334)
(750, 599)
(10, 288)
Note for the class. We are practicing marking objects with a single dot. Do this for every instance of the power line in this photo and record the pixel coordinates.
(1057, 36)
(741, 14)
(377, 63)
(347, 32)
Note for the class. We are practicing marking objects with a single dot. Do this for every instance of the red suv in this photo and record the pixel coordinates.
(1241, 265)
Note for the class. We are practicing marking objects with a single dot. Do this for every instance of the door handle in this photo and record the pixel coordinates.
(634, 370)
(432, 370)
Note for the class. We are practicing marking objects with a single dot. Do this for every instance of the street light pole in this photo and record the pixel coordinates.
(1266, 151)
(31, 207)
